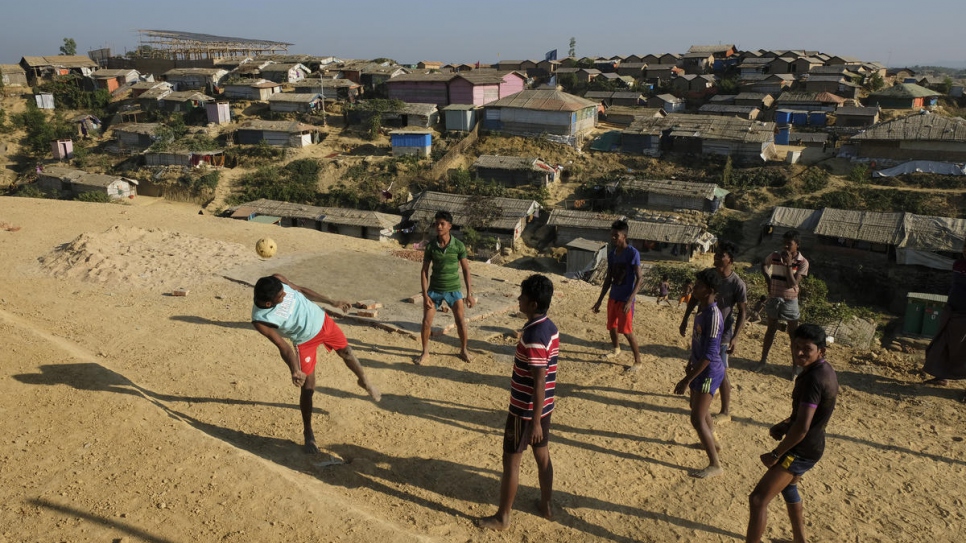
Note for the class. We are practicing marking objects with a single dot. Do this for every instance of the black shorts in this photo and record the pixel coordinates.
(517, 434)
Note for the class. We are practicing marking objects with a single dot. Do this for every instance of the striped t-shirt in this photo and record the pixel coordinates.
(539, 346)
(706, 339)
(781, 285)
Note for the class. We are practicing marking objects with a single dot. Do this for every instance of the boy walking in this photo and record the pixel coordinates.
(624, 280)
(801, 436)
(531, 401)
(732, 300)
(705, 371)
(783, 272)
(447, 256)
(284, 311)
(663, 290)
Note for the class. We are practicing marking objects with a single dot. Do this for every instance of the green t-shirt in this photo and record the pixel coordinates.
(445, 276)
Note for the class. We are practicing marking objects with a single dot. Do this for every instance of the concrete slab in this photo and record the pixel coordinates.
(378, 278)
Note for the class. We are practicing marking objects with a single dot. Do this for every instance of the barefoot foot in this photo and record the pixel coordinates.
(545, 510)
(613, 354)
(419, 360)
(465, 356)
(493, 523)
(710, 471)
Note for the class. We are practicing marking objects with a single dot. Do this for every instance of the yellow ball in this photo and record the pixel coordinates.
(266, 247)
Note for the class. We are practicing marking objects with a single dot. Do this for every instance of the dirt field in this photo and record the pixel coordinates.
(132, 415)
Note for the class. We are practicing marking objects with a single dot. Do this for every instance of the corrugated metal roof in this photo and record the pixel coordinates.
(861, 111)
(793, 217)
(282, 67)
(194, 71)
(581, 219)
(184, 96)
(671, 187)
(727, 108)
(663, 232)
(67, 61)
(720, 48)
(871, 226)
(917, 127)
(582, 244)
(543, 100)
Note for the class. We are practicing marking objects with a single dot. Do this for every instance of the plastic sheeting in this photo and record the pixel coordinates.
(923, 166)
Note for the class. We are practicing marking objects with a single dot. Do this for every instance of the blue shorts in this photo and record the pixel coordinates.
(724, 353)
(796, 465)
(707, 382)
(449, 297)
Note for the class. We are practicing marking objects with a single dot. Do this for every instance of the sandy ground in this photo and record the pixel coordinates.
(132, 415)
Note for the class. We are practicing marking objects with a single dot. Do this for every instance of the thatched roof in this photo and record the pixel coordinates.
(663, 232)
(581, 219)
(918, 127)
(671, 187)
(793, 217)
(291, 97)
(137, 128)
(543, 100)
(359, 217)
(291, 127)
(66, 61)
(870, 226)
(425, 205)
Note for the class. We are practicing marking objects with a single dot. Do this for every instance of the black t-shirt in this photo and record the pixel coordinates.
(816, 386)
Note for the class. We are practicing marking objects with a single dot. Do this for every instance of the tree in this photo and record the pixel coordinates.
(875, 82)
(945, 86)
(69, 47)
(573, 47)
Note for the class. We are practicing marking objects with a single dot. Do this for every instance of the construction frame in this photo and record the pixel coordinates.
(175, 45)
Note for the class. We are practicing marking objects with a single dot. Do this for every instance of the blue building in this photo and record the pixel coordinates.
(411, 141)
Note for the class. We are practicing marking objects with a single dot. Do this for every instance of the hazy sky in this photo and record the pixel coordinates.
(891, 31)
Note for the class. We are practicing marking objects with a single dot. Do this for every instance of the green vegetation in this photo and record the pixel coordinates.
(295, 182)
(28, 191)
(572, 50)
(374, 110)
(69, 47)
(726, 226)
(252, 155)
(814, 180)
(859, 174)
(677, 275)
(69, 94)
(97, 196)
(729, 86)
(40, 130)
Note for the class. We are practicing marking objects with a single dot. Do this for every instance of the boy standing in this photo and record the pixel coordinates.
(783, 271)
(705, 371)
(801, 436)
(447, 256)
(531, 401)
(663, 290)
(686, 293)
(624, 280)
(284, 311)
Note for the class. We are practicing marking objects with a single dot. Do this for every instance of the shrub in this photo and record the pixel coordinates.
(814, 180)
(677, 275)
(859, 174)
(727, 227)
(94, 196)
(29, 191)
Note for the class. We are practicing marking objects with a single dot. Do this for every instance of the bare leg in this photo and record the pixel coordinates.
(634, 348)
(305, 406)
(726, 397)
(701, 421)
(459, 313)
(508, 491)
(772, 482)
(428, 315)
(545, 474)
(615, 344)
(796, 513)
(792, 326)
(349, 358)
(768, 339)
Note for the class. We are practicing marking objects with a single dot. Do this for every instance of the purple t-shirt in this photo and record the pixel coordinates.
(622, 272)
(706, 340)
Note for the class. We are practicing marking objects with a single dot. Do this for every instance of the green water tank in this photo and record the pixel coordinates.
(915, 310)
(930, 319)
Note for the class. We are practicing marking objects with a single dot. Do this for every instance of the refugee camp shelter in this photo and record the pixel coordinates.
(58, 182)
(514, 171)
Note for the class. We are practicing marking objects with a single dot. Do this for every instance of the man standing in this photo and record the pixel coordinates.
(732, 300)
(447, 256)
(624, 280)
(783, 272)
(284, 310)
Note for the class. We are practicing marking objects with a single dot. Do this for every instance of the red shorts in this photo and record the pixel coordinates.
(330, 337)
(616, 318)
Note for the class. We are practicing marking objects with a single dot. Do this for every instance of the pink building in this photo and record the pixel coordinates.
(479, 88)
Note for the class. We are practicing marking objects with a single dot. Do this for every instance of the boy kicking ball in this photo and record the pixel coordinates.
(531, 401)
(705, 370)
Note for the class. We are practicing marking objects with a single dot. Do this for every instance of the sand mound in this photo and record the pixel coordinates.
(144, 258)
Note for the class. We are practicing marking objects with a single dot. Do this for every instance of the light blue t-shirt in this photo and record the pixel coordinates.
(296, 318)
